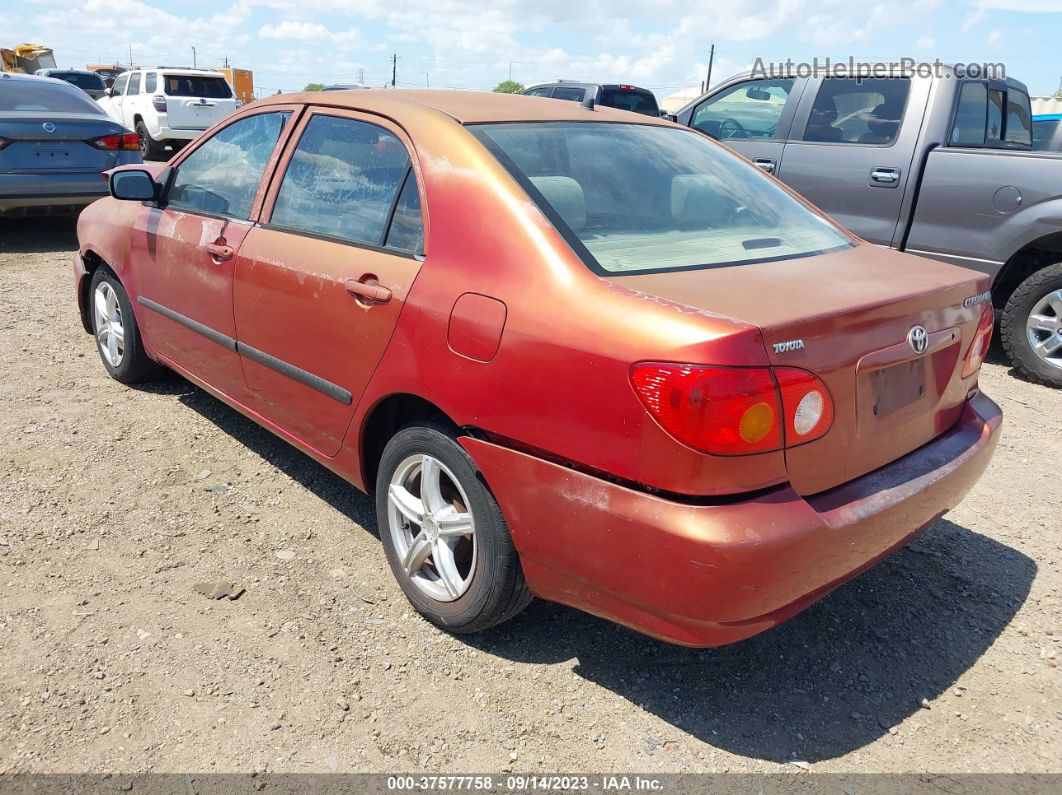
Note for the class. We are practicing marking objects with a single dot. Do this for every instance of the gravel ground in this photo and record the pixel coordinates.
(116, 501)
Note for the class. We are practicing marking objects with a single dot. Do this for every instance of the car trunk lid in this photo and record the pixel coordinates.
(196, 102)
(846, 317)
(42, 143)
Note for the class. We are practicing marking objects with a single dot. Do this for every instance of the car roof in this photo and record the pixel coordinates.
(177, 70)
(465, 107)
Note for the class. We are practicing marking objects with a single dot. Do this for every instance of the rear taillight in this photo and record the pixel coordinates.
(722, 410)
(734, 410)
(982, 339)
(158, 102)
(119, 141)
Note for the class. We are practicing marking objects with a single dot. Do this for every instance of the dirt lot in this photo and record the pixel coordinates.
(115, 501)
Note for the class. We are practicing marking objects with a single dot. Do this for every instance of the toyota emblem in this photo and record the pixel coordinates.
(48, 126)
(918, 339)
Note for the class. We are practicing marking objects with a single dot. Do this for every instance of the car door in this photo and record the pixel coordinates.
(753, 117)
(186, 253)
(852, 148)
(113, 104)
(130, 101)
(321, 281)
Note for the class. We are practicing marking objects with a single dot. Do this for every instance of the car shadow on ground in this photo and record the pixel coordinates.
(829, 681)
(38, 235)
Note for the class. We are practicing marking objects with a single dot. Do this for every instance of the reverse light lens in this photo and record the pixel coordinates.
(982, 339)
(808, 413)
(118, 142)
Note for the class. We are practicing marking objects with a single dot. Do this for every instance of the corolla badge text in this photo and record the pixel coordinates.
(789, 345)
(977, 299)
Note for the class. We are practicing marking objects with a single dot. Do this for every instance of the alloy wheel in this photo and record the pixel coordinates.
(110, 333)
(1044, 327)
(431, 525)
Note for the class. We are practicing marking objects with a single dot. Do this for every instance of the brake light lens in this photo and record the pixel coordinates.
(734, 410)
(117, 142)
(982, 339)
(158, 102)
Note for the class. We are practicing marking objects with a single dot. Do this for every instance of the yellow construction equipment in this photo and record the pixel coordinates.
(27, 58)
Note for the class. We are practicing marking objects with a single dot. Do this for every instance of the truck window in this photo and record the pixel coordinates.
(1018, 129)
(858, 111)
(574, 94)
(749, 110)
(969, 126)
(994, 131)
(150, 83)
(1044, 133)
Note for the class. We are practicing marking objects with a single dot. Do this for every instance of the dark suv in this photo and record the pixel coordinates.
(623, 97)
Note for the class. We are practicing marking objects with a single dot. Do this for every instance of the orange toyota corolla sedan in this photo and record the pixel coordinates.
(573, 352)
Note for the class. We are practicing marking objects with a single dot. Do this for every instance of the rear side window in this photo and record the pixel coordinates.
(221, 177)
(134, 84)
(196, 86)
(342, 181)
(407, 225)
(150, 82)
(574, 94)
(745, 111)
(38, 95)
(858, 110)
(630, 99)
(969, 127)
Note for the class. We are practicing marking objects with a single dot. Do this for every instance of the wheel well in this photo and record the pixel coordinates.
(384, 421)
(137, 118)
(1035, 256)
(92, 262)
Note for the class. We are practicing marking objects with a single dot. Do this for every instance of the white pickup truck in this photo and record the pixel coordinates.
(168, 107)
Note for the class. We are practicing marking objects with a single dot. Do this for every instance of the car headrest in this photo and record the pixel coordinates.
(566, 197)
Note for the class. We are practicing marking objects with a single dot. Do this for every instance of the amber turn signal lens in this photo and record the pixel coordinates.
(756, 422)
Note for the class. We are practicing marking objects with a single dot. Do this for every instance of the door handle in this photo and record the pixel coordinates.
(220, 251)
(369, 289)
(889, 177)
(766, 163)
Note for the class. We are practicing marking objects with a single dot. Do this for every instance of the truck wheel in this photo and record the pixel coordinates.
(1031, 327)
(150, 149)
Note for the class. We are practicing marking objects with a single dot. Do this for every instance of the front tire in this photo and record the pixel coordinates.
(444, 535)
(116, 332)
(150, 149)
(1031, 327)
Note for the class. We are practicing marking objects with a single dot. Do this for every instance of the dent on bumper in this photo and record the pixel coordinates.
(705, 575)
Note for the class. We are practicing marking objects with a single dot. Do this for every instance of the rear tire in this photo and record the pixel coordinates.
(1031, 327)
(150, 149)
(460, 581)
(116, 332)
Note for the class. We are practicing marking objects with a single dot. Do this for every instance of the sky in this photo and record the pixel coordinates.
(659, 44)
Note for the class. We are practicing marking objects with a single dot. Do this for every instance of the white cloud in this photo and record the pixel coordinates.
(1032, 6)
(294, 30)
(974, 18)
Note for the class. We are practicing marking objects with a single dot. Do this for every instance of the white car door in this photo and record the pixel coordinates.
(131, 100)
(112, 103)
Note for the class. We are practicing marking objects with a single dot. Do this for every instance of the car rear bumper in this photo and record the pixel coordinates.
(50, 189)
(179, 133)
(705, 575)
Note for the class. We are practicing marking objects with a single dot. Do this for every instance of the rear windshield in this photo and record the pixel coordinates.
(634, 198)
(44, 97)
(1043, 132)
(195, 86)
(636, 100)
(80, 79)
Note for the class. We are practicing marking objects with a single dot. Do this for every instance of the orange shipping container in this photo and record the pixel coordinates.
(242, 82)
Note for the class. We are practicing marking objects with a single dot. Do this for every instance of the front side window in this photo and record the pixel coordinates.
(574, 94)
(120, 84)
(342, 181)
(748, 110)
(221, 177)
(634, 198)
(858, 110)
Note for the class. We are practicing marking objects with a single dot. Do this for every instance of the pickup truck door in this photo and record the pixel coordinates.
(751, 116)
(851, 148)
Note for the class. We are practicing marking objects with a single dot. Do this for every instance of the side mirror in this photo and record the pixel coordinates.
(134, 185)
(669, 116)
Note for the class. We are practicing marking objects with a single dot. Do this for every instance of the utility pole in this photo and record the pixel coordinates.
(427, 81)
(711, 57)
(394, 70)
(130, 56)
(510, 71)
(194, 63)
(226, 62)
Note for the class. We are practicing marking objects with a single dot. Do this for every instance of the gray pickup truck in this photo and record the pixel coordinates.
(938, 165)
